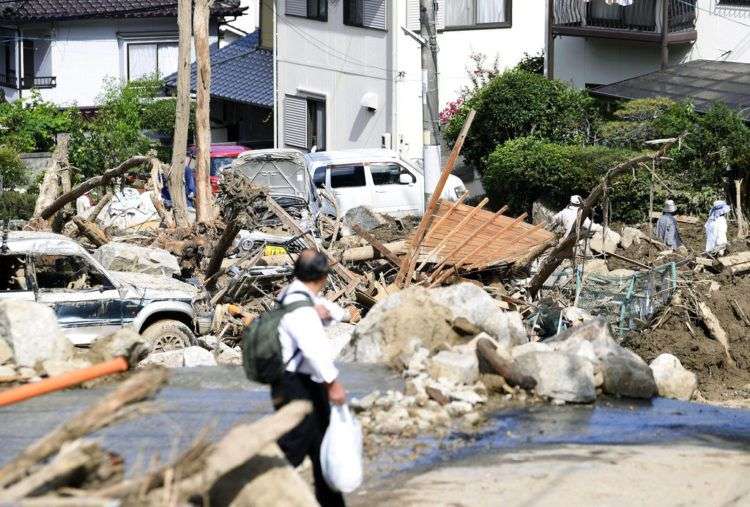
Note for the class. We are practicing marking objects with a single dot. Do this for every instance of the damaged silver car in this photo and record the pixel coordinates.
(89, 300)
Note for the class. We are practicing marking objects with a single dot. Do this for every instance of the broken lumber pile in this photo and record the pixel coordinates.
(736, 264)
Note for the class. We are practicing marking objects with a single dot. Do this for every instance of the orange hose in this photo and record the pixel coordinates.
(238, 311)
(25, 392)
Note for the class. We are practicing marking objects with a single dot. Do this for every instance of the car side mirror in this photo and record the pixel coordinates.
(405, 179)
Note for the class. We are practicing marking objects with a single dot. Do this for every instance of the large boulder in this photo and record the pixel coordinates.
(558, 375)
(605, 242)
(625, 373)
(340, 334)
(630, 236)
(364, 217)
(455, 367)
(427, 315)
(138, 259)
(198, 356)
(125, 342)
(672, 379)
(32, 332)
(6, 352)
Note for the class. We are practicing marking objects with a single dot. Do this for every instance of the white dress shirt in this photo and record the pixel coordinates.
(303, 330)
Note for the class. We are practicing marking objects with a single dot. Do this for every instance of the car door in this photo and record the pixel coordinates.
(86, 302)
(348, 183)
(395, 189)
(15, 278)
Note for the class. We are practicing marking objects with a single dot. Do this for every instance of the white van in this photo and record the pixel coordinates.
(376, 178)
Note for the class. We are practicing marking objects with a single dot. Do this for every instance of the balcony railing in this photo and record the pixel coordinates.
(8, 79)
(40, 82)
(642, 20)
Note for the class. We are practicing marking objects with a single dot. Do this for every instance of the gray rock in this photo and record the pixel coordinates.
(672, 379)
(168, 359)
(608, 243)
(32, 332)
(559, 375)
(529, 347)
(198, 356)
(138, 259)
(479, 308)
(55, 367)
(7, 372)
(364, 217)
(6, 353)
(455, 367)
(123, 342)
(225, 354)
(340, 335)
(630, 236)
(625, 373)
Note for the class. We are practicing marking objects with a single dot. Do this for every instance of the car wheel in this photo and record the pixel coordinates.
(168, 334)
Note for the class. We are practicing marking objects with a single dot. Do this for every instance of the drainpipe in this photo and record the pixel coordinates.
(275, 75)
(395, 141)
(664, 34)
(19, 62)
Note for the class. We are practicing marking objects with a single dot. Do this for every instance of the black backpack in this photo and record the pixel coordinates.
(262, 358)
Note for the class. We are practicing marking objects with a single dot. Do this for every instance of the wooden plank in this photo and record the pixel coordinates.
(377, 245)
(404, 272)
(731, 260)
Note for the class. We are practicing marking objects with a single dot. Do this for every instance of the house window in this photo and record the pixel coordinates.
(312, 9)
(365, 13)
(461, 14)
(345, 176)
(305, 122)
(151, 59)
(745, 3)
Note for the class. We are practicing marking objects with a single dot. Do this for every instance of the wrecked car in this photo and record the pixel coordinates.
(89, 300)
(284, 173)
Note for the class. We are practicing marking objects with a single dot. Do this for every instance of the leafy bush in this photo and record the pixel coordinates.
(532, 63)
(16, 205)
(527, 169)
(518, 103)
(12, 170)
(31, 125)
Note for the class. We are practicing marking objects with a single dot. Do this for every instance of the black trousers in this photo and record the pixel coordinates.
(306, 437)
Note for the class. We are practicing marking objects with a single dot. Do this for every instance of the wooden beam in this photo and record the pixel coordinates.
(377, 245)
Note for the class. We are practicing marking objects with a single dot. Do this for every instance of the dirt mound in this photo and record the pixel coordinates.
(703, 355)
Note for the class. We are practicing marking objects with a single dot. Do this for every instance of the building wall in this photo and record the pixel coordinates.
(343, 63)
(721, 36)
(85, 54)
(249, 21)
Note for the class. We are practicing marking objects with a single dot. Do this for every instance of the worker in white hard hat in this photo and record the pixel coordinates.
(667, 230)
(566, 218)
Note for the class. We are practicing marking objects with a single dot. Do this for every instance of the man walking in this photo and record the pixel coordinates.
(310, 373)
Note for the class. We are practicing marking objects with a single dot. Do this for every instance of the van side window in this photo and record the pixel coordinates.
(347, 176)
(55, 272)
(319, 177)
(13, 274)
(385, 174)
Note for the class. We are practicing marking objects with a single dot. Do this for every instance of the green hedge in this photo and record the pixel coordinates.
(16, 205)
(12, 170)
(527, 169)
(518, 103)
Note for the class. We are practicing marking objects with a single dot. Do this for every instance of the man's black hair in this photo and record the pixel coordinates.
(311, 266)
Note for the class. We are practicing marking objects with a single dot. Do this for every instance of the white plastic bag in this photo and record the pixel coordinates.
(341, 451)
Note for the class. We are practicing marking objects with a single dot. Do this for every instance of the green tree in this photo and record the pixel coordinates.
(32, 124)
(12, 170)
(517, 103)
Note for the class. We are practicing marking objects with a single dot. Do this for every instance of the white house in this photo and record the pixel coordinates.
(348, 73)
(68, 49)
(598, 42)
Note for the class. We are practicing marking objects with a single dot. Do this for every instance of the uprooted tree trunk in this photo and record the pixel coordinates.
(92, 183)
(51, 185)
(564, 249)
(203, 197)
(112, 408)
(176, 176)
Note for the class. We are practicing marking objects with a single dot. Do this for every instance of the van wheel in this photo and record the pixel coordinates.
(168, 334)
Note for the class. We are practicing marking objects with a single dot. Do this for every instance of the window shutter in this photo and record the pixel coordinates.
(373, 14)
(440, 15)
(295, 121)
(296, 7)
(412, 15)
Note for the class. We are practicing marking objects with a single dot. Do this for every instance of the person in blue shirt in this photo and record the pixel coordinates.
(189, 189)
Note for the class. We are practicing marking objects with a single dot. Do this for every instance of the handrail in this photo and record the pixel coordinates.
(641, 16)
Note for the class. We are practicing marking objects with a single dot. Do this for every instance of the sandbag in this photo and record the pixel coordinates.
(341, 451)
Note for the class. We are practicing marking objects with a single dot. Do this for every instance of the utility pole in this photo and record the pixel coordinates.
(550, 57)
(664, 34)
(176, 180)
(430, 122)
(203, 197)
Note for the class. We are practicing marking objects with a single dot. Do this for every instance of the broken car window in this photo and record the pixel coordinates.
(319, 178)
(385, 174)
(347, 176)
(67, 272)
(13, 274)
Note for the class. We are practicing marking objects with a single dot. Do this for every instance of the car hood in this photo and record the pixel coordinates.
(155, 286)
(283, 172)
